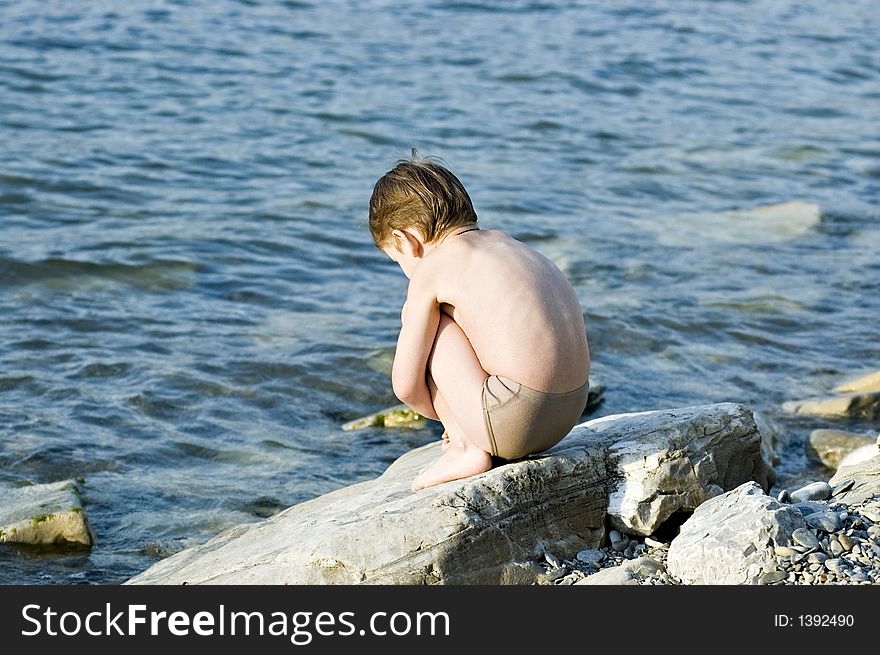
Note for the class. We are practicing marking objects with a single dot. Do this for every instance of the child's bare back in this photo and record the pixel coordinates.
(519, 312)
(492, 342)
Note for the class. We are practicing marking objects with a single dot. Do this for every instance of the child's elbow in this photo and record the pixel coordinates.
(403, 388)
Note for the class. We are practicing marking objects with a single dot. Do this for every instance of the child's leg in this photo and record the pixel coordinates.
(456, 383)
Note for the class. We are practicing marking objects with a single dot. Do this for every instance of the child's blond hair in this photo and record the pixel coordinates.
(420, 194)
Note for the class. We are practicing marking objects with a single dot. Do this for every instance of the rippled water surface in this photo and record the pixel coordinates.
(190, 305)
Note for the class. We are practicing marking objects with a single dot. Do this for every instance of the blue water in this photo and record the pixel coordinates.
(191, 305)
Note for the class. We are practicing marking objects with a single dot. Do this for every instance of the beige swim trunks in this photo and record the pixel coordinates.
(521, 421)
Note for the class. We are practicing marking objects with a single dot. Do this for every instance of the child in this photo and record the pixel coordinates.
(492, 342)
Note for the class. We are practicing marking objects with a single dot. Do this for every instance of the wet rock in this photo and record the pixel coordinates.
(44, 514)
(633, 469)
(730, 538)
(865, 383)
(398, 416)
(863, 405)
(629, 573)
(813, 491)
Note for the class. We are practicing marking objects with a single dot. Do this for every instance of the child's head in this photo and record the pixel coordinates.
(418, 194)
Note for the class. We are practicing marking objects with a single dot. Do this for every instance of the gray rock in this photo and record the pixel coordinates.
(813, 491)
(653, 543)
(836, 548)
(810, 507)
(826, 521)
(634, 470)
(846, 485)
(618, 541)
(783, 496)
(784, 551)
(835, 565)
(664, 472)
(629, 573)
(44, 514)
(729, 538)
(557, 573)
(771, 577)
(828, 447)
(552, 560)
(592, 556)
(866, 481)
(860, 405)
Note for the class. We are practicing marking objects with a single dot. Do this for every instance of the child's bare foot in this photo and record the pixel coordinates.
(457, 461)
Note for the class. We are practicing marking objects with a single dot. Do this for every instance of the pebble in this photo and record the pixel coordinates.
(653, 543)
(816, 558)
(558, 573)
(874, 531)
(784, 551)
(592, 557)
(846, 542)
(771, 577)
(808, 578)
(618, 541)
(827, 521)
(814, 491)
(834, 565)
(836, 548)
(860, 577)
(552, 560)
(783, 496)
(805, 538)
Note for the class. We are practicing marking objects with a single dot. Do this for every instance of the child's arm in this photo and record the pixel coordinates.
(420, 318)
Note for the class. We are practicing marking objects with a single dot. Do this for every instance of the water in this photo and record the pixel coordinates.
(191, 305)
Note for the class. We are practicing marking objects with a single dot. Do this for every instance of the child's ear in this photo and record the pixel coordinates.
(408, 242)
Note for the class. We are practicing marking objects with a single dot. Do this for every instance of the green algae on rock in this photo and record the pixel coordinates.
(43, 514)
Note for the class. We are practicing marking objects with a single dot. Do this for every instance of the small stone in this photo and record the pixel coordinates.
(784, 551)
(783, 496)
(860, 577)
(552, 560)
(771, 577)
(556, 574)
(827, 521)
(846, 542)
(568, 580)
(805, 538)
(653, 543)
(808, 578)
(592, 557)
(874, 531)
(814, 491)
(836, 548)
(618, 541)
(846, 485)
(843, 516)
(817, 558)
(792, 577)
(835, 565)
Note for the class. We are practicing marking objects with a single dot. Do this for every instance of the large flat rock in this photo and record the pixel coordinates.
(43, 514)
(634, 470)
